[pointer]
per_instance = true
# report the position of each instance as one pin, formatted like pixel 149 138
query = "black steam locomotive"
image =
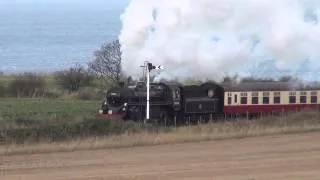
pixel 170 103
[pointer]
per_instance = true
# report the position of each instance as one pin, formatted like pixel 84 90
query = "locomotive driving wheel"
pixel 163 119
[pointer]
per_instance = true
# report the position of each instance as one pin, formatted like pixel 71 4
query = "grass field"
pixel 44 125
pixel 5 80
pixel 83 134
pixel 27 107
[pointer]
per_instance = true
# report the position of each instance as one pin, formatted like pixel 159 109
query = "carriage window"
pixel 303 97
pixel 314 98
pixel 276 97
pixel 266 94
pixel 244 94
pixel 265 97
pixel 277 94
pixel 229 100
pixel 229 97
pixel 292 97
pixel 276 100
pixel 244 98
pixel 255 98
pixel 292 93
pixel 303 93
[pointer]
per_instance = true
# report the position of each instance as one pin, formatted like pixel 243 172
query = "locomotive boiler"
pixel 170 103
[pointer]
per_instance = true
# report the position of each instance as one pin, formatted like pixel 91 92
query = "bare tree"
pixel 107 61
pixel 73 78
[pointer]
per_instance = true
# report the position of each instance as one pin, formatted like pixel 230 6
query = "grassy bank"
pixel 96 134
pixel 13 108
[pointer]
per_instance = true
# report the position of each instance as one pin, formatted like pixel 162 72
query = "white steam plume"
pixel 208 38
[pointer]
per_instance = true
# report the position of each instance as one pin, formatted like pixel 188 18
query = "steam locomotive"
pixel 170 103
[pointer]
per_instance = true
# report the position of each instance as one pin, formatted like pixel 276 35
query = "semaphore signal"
pixel 150 67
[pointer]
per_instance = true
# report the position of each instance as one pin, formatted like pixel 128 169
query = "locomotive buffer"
pixel 150 67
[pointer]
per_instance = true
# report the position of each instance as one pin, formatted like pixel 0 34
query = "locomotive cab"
pixel 176 98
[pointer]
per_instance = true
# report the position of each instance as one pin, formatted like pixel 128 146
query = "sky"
pixel 47 35
pixel 199 38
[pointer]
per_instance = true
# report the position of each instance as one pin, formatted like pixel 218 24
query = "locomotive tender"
pixel 170 103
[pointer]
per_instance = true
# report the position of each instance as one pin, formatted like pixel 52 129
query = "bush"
pixel 73 79
pixel 51 94
pixel 27 85
pixel 2 90
pixel 89 93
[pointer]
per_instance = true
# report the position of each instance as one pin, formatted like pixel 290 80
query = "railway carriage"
pixel 269 98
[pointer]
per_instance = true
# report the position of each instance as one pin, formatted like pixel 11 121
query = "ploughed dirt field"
pixel 274 157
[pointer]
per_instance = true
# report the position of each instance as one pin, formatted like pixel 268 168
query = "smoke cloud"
pixel 208 38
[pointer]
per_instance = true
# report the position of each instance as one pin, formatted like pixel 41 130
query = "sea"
pixel 50 35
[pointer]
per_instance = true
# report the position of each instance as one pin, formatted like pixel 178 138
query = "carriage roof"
pixel 270 86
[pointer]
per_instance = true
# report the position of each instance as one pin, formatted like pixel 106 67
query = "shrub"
pixel 26 85
pixel 51 94
pixel 89 93
pixel 2 90
pixel 73 79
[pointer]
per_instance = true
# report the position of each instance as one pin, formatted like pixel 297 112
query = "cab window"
pixel 176 94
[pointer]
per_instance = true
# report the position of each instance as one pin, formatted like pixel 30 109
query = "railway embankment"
pixel 23 135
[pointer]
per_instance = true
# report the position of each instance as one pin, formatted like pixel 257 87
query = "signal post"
pixel 150 67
